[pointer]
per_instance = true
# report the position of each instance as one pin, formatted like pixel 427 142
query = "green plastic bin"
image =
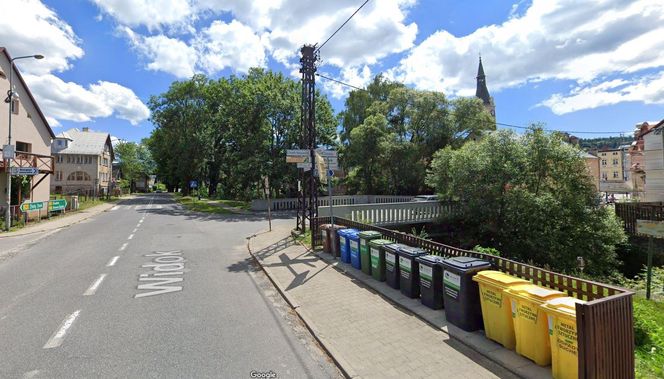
pixel 377 253
pixel 365 255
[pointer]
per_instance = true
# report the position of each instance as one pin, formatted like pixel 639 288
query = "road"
pixel 149 290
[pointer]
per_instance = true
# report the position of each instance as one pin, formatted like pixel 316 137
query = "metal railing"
pixel 604 323
pixel 411 212
pixel 323 201
pixel 630 212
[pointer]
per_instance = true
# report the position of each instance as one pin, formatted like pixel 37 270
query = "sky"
pixel 593 68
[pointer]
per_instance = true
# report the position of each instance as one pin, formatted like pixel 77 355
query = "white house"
pixel 654 163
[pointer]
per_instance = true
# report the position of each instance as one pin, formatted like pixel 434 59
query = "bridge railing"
pixel 605 338
pixel 291 202
pixel 391 213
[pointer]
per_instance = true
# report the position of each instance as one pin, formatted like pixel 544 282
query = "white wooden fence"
pixel 391 213
pixel 291 203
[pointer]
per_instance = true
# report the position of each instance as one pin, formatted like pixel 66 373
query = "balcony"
pixel 44 163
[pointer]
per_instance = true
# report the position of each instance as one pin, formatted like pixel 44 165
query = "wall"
pixel 654 167
pixel 592 165
pixel 611 164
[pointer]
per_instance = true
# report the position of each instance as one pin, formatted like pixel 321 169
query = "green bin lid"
pixel 379 242
pixel 370 234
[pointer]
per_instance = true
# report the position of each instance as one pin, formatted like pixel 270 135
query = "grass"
pixel 236 204
pixel 203 205
pixel 649 338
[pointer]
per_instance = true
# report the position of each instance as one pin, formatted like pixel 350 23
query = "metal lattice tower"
pixel 308 196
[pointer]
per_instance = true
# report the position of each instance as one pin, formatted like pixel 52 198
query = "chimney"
pixel 86 129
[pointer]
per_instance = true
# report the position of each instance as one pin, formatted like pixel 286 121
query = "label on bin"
pixel 426 275
pixel 566 336
pixel 363 242
pixel 452 284
pixel 390 261
pixel 491 296
pixel 375 257
pixel 526 312
pixel 342 241
pixel 354 247
pixel 405 264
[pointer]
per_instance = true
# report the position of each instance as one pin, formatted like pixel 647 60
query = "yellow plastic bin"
pixel 530 322
pixel 496 310
pixel 561 317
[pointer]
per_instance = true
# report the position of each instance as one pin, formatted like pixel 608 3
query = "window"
pixel 58 176
pixel 603 162
pixel 615 161
pixel 24 147
pixel 615 153
pixel 15 106
pixel 615 174
pixel 79 176
pixel 604 176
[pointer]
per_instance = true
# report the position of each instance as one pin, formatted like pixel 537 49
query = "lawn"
pixel 236 204
pixel 203 205
pixel 649 338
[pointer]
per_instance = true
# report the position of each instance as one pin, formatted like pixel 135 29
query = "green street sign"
pixel 57 205
pixel 27 206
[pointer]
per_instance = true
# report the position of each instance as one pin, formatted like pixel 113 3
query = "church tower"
pixel 482 92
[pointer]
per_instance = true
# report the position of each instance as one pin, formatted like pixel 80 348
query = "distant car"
pixel 158 191
pixel 425 198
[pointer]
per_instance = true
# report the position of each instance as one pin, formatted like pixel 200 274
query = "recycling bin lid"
pixel 344 232
pixel 412 251
pixel 393 247
pixel 532 292
pixel 430 260
pixel 353 234
pixel 562 305
pixel 380 242
pixel 466 263
pixel 370 234
pixel 498 278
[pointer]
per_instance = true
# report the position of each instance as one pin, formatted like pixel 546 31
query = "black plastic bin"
pixel 431 280
pixel 409 270
pixel 392 264
pixel 461 294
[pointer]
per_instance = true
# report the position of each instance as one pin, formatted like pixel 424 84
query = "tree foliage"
pixel 135 161
pixel 233 132
pixel 531 198
pixel 390 133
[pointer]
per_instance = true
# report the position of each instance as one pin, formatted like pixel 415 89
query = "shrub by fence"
pixel 604 323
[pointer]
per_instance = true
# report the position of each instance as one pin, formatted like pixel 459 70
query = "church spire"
pixel 482 92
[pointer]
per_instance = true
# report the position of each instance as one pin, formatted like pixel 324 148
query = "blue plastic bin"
pixel 344 245
pixel 354 244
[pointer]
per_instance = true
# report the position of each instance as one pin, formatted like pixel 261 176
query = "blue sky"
pixel 591 68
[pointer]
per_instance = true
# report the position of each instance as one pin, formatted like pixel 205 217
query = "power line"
pixel 342 25
pixel 496 123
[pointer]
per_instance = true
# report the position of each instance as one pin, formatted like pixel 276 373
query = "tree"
pixel 531 198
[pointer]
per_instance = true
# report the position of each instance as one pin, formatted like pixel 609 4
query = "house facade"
pixel 31 136
pixel 592 165
pixel 653 157
pixel 636 153
pixel 83 162
pixel 611 165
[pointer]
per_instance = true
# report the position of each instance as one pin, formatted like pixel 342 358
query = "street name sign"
pixel 57 205
pixel 24 171
pixel 8 152
pixel 298 153
pixel 27 206
pixel 650 228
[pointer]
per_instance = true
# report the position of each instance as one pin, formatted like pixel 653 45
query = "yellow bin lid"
pixel 565 306
pixel 497 278
pixel 532 292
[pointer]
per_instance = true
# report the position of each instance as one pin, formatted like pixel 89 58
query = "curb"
pixel 343 366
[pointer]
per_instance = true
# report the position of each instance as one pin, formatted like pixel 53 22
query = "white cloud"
pixel 358 77
pixel 62 100
pixel 152 13
pixel 164 53
pixel 229 45
pixel 552 39
pixel 28 27
pixel 648 89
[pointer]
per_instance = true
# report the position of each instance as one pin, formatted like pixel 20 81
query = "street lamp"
pixel 10 95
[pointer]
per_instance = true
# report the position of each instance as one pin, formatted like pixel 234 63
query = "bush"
pixel 649 338
pixel 486 250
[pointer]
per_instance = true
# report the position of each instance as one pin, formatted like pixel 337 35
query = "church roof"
pixel 482 92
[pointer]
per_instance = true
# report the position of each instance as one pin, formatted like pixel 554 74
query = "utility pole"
pixel 308 196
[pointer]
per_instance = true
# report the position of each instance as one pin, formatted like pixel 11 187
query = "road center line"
pixel 93 288
pixel 59 336
pixel 135 229
pixel 130 236
pixel 112 261
pixel 124 246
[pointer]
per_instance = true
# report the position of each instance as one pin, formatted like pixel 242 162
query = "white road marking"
pixel 112 261
pixel 93 288
pixel 135 229
pixel 59 336
pixel 124 246
pixel 115 208
pixel 130 236
pixel 140 221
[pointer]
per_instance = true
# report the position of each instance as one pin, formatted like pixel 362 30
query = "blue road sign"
pixel 193 184
pixel 330 173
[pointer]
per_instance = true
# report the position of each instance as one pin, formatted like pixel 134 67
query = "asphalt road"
pixel 147 290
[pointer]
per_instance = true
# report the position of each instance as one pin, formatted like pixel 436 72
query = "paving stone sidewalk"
pixel 366 334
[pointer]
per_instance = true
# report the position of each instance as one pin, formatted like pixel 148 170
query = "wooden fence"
pixel 630 212
pixel 605 322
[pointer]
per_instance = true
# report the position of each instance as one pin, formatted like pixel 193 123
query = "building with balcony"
pixel 83 162
pixel 31 136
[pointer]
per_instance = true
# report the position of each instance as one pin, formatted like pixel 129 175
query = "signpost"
pixel 24 171
pixel 57 205
pixel 651 229
pixel 28 206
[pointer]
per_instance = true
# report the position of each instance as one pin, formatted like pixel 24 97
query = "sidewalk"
pixel 367 334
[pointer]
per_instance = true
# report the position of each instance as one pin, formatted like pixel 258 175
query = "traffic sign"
pixel 57 205
pixel 298 153
pixel 330 173
pixel 27 206
pixel 327 153
pixel 24 171
pixel 296 159
pixel 193 184
pixel 305 165
pixel 8 152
